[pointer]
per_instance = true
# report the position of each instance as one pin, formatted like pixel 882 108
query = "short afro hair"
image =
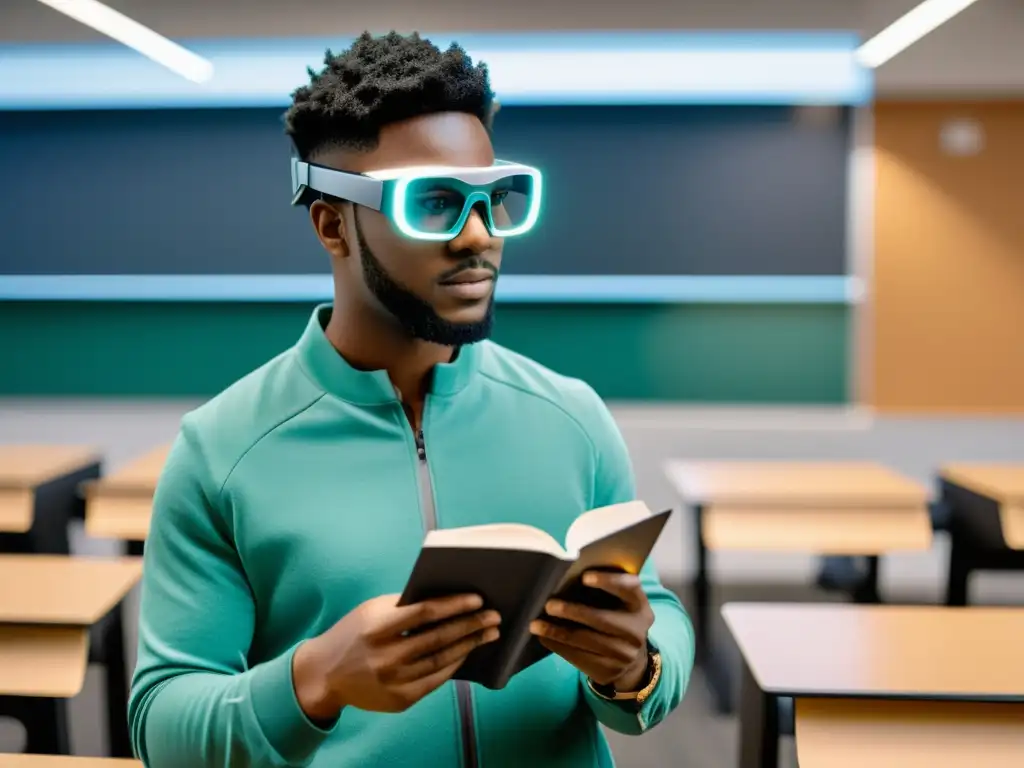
pixel 383 80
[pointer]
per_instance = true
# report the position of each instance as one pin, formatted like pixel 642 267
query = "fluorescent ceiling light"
pixel 908 29
pixel 115 24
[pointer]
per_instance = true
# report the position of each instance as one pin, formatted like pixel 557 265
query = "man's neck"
pixel 370 344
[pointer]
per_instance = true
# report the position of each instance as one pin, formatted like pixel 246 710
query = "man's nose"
pixel 474 236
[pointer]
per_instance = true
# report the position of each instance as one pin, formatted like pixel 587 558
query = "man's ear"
pixel 331 227
pixel 495 109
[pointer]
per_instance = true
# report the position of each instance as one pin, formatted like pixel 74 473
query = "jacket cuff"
pixel 285 726
pixel 624 716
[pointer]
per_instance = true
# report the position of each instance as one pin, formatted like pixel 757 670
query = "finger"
pixel 625 586
pixel 455 653
pixel 417 690
pixel 596 667
pixel 410 617
pixel 614 648
pixel 443 635
pixel 615 623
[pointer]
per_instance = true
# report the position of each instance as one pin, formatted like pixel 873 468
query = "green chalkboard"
pixel 702 353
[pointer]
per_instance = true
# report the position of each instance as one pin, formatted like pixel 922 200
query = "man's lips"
pixel 469 276
pixel 473 285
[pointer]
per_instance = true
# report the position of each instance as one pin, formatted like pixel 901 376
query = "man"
pixel 294 504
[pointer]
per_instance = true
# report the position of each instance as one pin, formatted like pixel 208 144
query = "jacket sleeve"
pixel 194 699
pixel 672 633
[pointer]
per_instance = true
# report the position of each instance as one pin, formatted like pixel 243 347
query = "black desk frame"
pixel 977 542
pixel 759 724
pixel 759 720
pixel 717 671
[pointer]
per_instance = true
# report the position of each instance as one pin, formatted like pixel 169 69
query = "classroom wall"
pixel 695 352
pixel 947 309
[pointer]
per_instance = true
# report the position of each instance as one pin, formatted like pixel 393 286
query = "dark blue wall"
pixel 687 190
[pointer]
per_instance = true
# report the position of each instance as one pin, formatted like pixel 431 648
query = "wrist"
pixel 312 691
pixel 634 678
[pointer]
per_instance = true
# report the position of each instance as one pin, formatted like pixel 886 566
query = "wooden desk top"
pixel 822 530
pixel 846 508
pixel 119 505
pixel 138 477
pixel 847 733
pixel 27 466
pixel 55 589
pixel 54 761
pixel 793 484
pixel 126 518
pixel 882 651
pixel 42 661
pixel 1002 482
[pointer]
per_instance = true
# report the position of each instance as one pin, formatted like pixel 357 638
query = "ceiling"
pixel 978 52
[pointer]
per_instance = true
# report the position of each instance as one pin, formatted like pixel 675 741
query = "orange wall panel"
pixel 947 307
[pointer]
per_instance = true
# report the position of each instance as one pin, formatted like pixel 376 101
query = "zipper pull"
pixel 421 446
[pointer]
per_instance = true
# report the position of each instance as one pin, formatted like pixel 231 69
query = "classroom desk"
pixel 842 733
pixel 986 503
pixel 847 508
pixel 39 494
pixel 58 761
pixel 119 505
pixel 44 639
pixel 881 681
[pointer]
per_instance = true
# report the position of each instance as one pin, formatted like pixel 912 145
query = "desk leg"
pixel 56 504
pixel 759 725
pixel 720 680
pixel 716 671
pixel 115 667
pixel 45 722
pixel 959 567
pixel 866 592
pixel 118 740
pixel 701 588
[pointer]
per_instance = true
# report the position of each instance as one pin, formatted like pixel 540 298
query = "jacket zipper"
pixel 464 694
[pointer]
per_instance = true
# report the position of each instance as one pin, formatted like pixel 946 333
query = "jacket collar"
pixel 334 374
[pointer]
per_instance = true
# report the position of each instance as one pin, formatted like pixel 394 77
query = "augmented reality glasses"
pixel 433 203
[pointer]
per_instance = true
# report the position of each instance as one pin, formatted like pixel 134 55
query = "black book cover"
pixel 513 582
pixel 517 583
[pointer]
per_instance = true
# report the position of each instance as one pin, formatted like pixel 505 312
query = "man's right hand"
pixel 380 658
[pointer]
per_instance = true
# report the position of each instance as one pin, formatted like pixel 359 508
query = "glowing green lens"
pixel 433 205
pixel 438 207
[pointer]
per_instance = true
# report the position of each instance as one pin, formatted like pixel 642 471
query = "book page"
pixel 603 521
pixel 496 536
pixel 624 549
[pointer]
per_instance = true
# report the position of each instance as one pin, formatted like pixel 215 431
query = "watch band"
pixel 640 696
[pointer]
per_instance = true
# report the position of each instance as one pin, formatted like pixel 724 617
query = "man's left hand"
pixel 609 646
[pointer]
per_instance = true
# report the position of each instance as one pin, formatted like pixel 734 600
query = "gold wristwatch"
pixel 639 697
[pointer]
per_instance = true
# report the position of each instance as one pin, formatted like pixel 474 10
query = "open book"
pixel 517 568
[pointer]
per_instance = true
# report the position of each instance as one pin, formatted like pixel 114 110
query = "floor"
pixel 692 737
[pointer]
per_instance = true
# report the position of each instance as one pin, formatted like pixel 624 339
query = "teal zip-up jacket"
pixel 300 492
